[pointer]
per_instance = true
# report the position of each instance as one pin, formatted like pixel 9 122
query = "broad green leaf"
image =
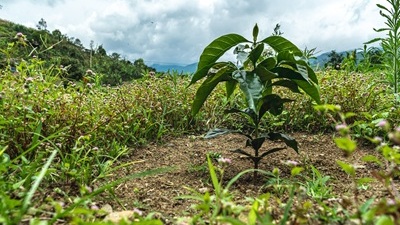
pixel 255 143
pixel 264 74
pixel 270 151
pixel 240 151
pixel 285 56
pixel 346 144
pixel 289 141
pixel 230 86
pixel 303 67
pixel 256 53
pixel 299 66
pixel 251 86
pixel 288 84
pixel 287 73
pixel 255 33
pixel 272 103
pixel 268 63
pixel 349 169
pixel 216 132
pixel 247 112
pixel 311 89
pixel 213 52
pixel 279 44
pixel 207 87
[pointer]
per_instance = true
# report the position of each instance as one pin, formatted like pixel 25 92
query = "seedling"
pixel 261 66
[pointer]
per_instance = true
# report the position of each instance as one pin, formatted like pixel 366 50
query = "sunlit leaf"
pixel 346 144
pixel 365 180
pixel 296 171
pixel 213 52
pixel 384 220
pixel 371 158
pixel 349 169
pixel 207 87
pixel 279 44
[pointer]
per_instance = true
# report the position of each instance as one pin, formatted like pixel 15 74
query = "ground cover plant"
pixel 72 149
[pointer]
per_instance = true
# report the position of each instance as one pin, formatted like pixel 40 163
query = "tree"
pixel 115 56
pixel 42 25
pixel 57 34
pixel 101 51
pixel 78 43
pixel 335 59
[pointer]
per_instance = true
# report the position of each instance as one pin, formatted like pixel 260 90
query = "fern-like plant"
pixel 391 42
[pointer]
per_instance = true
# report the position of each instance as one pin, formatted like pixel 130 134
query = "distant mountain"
pixel 191 68
pixel 320 60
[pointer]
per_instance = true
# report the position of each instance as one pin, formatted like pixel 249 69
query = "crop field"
pixel 268 139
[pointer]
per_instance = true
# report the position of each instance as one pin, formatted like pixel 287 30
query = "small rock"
pixel 115 217
pixel 203 190
pixel 170 145
pixel 107 208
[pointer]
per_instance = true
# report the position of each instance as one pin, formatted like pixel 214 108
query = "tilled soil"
pixel 188 157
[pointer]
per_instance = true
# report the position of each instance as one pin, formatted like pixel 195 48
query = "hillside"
pixel 64 52
pixel 191 68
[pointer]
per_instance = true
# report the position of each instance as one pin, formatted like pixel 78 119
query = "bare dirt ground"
pixel 188 156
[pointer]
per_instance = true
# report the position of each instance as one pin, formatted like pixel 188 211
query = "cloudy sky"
pixel 176 31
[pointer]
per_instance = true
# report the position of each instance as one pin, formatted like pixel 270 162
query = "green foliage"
pixel 387 168
pixel 317 185
pixel 256 74
pixel 220 206
pixel 63 132
pixel 371 59
pixel 371 100
pixel 390 43
pixel 65 52
pixel 335 60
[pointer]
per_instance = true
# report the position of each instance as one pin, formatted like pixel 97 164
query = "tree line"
pixel 18 42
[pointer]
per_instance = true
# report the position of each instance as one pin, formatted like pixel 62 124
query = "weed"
pixel 390 43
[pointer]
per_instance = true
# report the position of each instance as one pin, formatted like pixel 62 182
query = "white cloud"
pixel 176 31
